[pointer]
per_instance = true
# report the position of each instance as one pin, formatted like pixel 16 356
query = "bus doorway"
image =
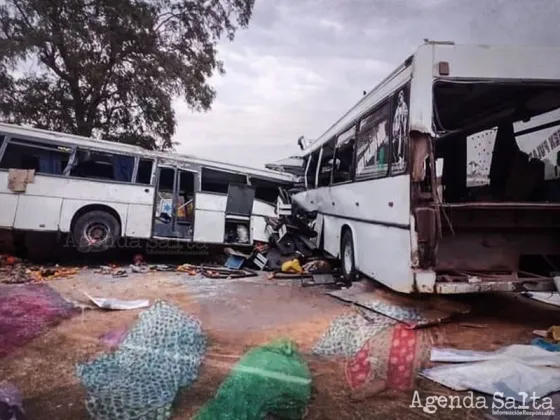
pixel 174 204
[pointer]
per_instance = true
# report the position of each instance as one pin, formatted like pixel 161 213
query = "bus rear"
pixel 485 169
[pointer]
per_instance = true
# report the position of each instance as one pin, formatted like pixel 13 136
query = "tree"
pixel 111 68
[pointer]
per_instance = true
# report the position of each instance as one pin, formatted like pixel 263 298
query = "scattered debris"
pixel 273 379
pixel 119 273
pixel 218 272
pixel 236 259
pixel 104 269
pixel 163 267
pixel 548 339
pixel 286 276
pixel 139 268
pixel 540 333
pixel 16 274
pixel 292 266
pixel 471 325
pixel 162 353
pixel 190 269
pixel 412 312
pixel 318 267
pixel 119 305
pixel 318 280
pixel 512 370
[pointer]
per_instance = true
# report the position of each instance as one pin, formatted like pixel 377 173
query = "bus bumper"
pixel 447 284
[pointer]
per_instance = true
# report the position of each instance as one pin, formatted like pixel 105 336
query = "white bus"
pixel 98 192
pixel 389 180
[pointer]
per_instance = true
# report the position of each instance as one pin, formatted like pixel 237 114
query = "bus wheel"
pixel 347 257
pixel 96 231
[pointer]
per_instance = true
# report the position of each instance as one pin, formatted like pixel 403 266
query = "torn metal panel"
pixel 420 152
pixel 427 235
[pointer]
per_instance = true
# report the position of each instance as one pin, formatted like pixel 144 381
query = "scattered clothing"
pixel 269 380
pixel 292 266
pixel 546 345
pixel 394 356
pixel 161 353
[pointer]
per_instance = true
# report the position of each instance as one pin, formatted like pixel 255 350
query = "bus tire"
pixel 95 231
pixel 347 257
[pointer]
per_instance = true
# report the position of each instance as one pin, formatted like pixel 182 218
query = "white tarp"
pixel 119 305
pixel 545 297
pixel 511 371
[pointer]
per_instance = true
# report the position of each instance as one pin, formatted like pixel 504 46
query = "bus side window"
pixel 144 175
pixel 312 169
pixel 98 165
pixel 218 181
pixel 325 167
pixel 43 158
pixel 344 156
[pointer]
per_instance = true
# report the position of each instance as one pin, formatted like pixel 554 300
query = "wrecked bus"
pixel 397 186
pixel 97 192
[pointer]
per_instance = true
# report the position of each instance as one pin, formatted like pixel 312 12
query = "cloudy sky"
pixel 302 63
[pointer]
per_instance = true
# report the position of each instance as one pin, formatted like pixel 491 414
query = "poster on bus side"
pixel 382 140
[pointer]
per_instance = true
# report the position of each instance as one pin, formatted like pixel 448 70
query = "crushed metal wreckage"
pixel 292 250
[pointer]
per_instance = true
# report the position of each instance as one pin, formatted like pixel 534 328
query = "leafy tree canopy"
pixel 111 68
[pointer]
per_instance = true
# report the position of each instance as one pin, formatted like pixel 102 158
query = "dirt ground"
pixel 239 314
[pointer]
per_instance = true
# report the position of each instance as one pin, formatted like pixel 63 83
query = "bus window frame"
pixel 337 147
pixel 26 141
pixel 387 101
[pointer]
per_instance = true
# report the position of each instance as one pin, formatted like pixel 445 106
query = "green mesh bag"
pixel 269 380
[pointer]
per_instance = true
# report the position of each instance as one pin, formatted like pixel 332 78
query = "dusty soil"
pixel 237 315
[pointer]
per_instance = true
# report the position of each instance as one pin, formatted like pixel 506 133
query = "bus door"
pixel 174 203
pixel 239 208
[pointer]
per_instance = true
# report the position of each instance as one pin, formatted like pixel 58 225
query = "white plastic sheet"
pixel 510 371
pixel 119 305
pixel 545 297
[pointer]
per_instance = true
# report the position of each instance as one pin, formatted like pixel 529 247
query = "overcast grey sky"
pixel 302 63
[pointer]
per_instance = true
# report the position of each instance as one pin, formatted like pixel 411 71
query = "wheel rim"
pixel 348 258
pixel 96 233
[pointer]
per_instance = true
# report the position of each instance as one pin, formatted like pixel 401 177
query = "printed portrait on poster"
pixel 399 131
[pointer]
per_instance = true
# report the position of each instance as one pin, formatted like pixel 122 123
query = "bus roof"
pixel 110 146
pixel 484 62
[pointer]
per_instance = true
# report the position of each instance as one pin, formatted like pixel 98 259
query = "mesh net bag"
pixel 269 380
pixel 161 353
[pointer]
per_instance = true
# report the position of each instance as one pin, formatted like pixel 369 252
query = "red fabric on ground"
pixel 28 310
